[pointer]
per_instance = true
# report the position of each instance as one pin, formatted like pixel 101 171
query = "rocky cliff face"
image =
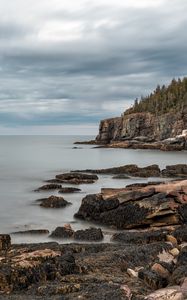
pixel 143 126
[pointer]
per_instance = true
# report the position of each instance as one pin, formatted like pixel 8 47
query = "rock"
pixel 132 273
pixel 179 170
pixel 180 234
pixel 53 202
pixel 152 279
pixel 171 239
pixel 169 293
pixel 76 178
pixel 5 242
pixel 121 176
pixel 48 187
pixel 63 232
pixel 132 170
pixel 159 269
pixel 29 268
pixel 174 252
pixel 91 234
pixel 32 231
pixel 180 271
pixel 140 237
pixel 69 190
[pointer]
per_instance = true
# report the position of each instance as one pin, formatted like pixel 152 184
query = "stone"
pixel 172 239
pixel 152 279
pixel 32 231
pixel 64 232
pixel 159 269
pixel 140 237
pixel 91 234
pixel 174 252
pixel 48 187
pixel 53 202
pixel 132 273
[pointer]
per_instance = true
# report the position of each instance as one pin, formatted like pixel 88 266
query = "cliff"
pixel 159 118
pixel 144 126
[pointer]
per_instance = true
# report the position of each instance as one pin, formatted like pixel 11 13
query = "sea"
pixel 27 161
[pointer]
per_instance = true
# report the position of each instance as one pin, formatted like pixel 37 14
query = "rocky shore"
pixel 145 259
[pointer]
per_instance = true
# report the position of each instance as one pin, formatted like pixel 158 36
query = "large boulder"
pixel 91 234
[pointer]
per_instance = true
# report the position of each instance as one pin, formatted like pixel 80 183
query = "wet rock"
pixel 69 190
pixel 5 242
pixel 32 231
pixel 93 205
pixel 63 232
pixel 48 187
pixel 174 252
pixel 121 176
pixel 152 279
pixel 53 202
pixel 132 170
pixel 159 269
pixel 140 237
pixel 179 170
pixel 76 178
pixel 91 234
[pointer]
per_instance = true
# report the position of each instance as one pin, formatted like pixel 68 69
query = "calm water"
pixel 26 161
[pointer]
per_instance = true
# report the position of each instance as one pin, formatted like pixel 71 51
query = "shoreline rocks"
pixel 151 206
pixel 53 202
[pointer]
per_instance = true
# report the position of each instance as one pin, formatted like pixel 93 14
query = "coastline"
pixel 146 255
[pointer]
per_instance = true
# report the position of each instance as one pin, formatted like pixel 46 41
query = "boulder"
pixel 91 234
pixel 53 202
pixel 63 232
pixel 152 279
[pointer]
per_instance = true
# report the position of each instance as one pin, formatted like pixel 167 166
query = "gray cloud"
pixel 77 63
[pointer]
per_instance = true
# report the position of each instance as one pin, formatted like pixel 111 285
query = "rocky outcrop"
pixel 72 178
pixel 145 130
pixel 128 208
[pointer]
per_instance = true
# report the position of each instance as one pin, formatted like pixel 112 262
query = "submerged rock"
pixel 69 190
pixel 53 202
pixel 32 231
pixel 48 187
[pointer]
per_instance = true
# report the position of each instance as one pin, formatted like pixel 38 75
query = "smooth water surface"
pixel 26 161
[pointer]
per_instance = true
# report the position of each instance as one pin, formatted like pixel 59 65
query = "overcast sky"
pixel 66 64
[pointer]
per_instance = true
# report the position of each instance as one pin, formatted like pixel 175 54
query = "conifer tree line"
pixel 172 98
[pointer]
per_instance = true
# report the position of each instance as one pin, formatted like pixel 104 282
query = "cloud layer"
pixel 69 63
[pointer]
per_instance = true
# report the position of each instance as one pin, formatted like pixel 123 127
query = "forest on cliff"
pixel 165 99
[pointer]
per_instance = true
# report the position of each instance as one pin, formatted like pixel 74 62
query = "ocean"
pixel 26 161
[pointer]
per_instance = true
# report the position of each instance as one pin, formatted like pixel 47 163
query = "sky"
pixel 67 64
